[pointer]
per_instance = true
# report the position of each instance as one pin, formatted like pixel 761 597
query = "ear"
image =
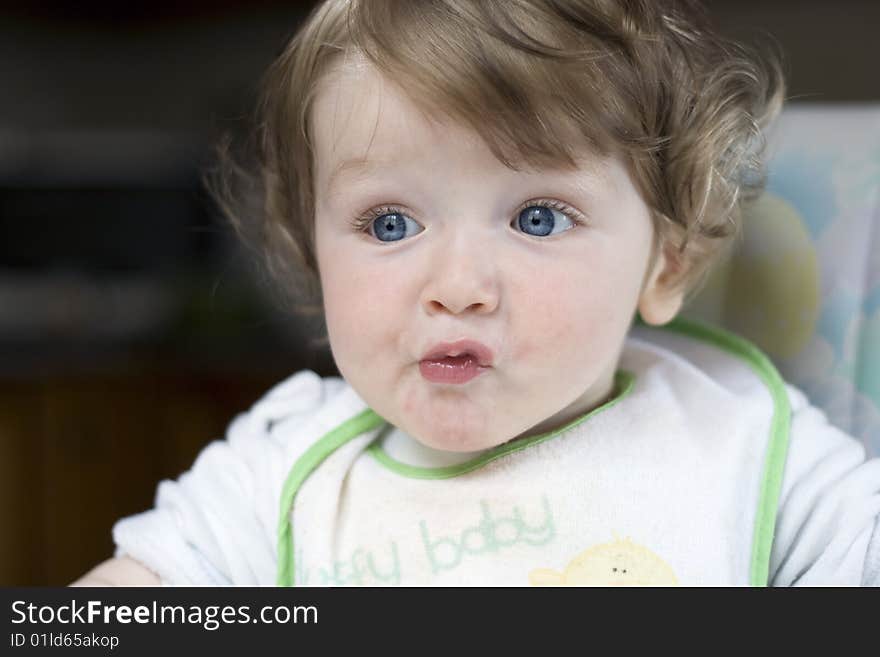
pixel 662 292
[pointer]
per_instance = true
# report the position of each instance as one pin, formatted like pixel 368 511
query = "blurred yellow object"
pixel 767 288
pixel 773 290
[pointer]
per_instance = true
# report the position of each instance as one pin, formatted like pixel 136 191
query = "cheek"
pixel 572 315
pixel 546 315
pixel 359 306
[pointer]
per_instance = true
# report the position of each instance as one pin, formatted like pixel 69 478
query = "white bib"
pixel 674 481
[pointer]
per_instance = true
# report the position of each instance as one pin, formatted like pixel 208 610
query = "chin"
pixel 455 439
pixel 450 423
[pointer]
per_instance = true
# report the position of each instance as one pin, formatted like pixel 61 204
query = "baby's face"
pixel 465 248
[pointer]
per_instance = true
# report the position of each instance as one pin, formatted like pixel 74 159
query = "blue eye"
pixel 540 220
pixel 391 227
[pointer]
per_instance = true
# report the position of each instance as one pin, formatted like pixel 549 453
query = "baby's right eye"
pixel 388 226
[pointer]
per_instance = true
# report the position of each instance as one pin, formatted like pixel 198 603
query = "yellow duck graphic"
pixel 618 563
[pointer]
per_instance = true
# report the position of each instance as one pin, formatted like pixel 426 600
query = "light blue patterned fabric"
pixel 804 282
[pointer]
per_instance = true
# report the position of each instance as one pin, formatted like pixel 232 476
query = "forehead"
pixel 363 123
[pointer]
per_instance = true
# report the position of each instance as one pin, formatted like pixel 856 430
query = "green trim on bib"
pixel 305 464
pixel 623 385
pixel 777 446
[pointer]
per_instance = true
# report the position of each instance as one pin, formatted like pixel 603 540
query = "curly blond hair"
pixel 650 80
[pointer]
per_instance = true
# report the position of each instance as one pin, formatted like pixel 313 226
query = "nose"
pixel 462 277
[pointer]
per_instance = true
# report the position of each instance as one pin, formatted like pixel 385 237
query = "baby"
pixel 488 194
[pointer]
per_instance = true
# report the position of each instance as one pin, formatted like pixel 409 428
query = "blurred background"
pixel 132 325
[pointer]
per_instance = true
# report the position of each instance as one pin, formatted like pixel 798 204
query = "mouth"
pixel 456 362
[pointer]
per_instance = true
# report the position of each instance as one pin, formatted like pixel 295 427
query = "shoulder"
pixel 712 371
pixel 692 353
pixel 216 522
pixel 818 497
pixel 695 351
pixel 705 364
pixel 261 442
pixel 294 409
pixel 300 394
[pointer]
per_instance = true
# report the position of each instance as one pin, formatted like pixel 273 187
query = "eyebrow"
pixel 365 166
pixel 361 165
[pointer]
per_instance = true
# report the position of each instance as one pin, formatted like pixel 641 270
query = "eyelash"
pixel 363 221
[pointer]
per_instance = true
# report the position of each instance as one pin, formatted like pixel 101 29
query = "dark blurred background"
pixel 132 325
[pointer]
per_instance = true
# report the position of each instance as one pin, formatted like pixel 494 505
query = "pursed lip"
pixel 480 351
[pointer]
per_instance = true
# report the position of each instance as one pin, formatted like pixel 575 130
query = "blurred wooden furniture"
pixel 79 451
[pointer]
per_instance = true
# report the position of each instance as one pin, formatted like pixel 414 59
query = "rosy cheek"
pixel 546 324
pixel 363 310
pixel 374 299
